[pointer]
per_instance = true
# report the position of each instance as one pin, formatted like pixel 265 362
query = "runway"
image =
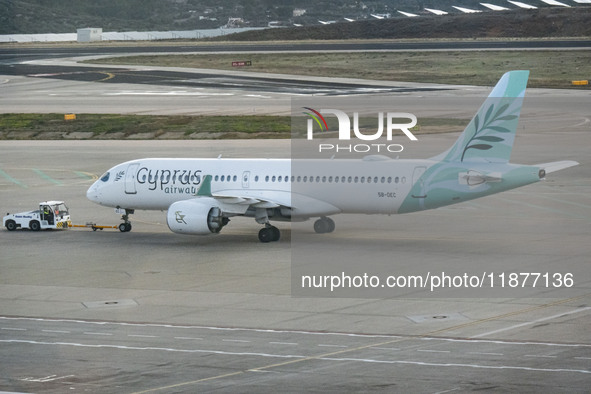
pixel 202 80
pixel 154 311
pixel 9 53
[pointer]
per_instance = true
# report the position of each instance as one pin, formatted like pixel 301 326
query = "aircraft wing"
pixel 260 199
pixel 557 165
pixel 238 201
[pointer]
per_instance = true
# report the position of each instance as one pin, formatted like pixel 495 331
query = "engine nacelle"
pixel 200 216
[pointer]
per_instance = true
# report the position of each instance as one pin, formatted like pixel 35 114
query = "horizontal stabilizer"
pixel 557 165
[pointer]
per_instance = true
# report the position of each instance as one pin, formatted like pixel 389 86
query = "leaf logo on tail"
pixel 491 125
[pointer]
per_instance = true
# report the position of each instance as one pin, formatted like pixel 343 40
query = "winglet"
pixel 205 189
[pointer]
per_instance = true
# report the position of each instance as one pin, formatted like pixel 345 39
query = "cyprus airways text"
pixel 170 181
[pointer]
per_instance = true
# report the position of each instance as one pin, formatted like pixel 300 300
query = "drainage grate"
pixel 440 317
pixel 110 303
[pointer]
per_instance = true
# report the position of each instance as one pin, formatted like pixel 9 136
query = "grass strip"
pixel 108 126
pixel 549 69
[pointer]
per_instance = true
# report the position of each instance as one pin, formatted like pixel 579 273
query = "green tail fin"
pixel 490 134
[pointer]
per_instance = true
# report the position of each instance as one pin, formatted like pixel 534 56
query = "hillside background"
pixel 65 16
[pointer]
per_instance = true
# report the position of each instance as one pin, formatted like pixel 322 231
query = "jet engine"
pixel 200 216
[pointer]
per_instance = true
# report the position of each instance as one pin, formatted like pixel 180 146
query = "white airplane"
pixel 201 195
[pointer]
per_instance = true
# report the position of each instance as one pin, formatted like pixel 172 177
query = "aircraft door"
pixel 245 179
pixel 417 178
pixel 130 178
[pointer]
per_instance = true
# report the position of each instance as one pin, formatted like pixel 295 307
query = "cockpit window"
pixel 105 177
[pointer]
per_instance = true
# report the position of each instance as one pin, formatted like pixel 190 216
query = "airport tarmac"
pixel 154 311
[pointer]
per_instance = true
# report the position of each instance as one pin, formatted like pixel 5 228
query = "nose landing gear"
pixel 126 225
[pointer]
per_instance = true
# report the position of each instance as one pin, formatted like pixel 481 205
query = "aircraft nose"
pixel 93 193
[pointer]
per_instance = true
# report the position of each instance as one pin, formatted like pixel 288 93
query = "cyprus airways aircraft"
pixel 201 195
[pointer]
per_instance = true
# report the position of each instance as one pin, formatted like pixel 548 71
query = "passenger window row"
pixel 282 178
pixel 314 179
pixel 225 178
pixel 331 179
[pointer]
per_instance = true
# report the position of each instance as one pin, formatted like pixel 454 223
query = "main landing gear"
pixel 126 225
pixel 324 225
pixel 269 234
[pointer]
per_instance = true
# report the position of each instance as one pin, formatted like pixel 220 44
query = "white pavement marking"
pixel 98 333
pixel 531 322
pixel 324 345
pixel 433 351
pixel 271 331
pixel 123 347
pixel 262 371
pixel 152 93
pixel 501 342
pixel 583 371
pixel 49 378
pixel 487 353
pixel 447 391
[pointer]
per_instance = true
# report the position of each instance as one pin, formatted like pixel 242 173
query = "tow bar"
pixel 93 226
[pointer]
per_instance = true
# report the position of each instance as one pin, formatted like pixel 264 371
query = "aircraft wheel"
pixel 265 235
pixel 125 227
pixel 269 234
pixel 331 225
pixel 324 225
pixel 275 233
